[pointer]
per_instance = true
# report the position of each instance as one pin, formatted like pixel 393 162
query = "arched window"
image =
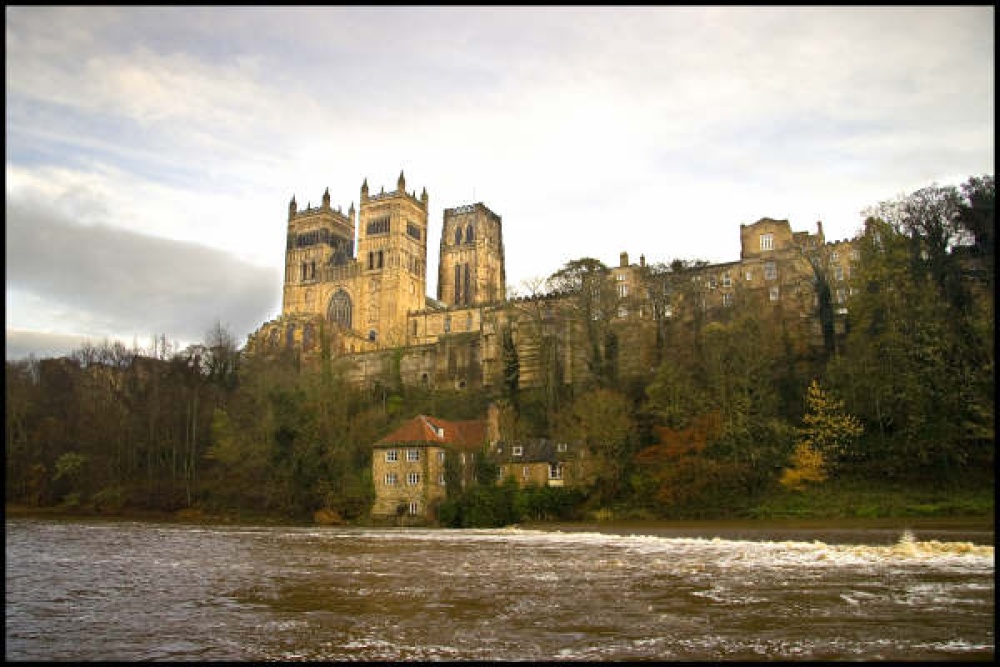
pixel 339 310
pixel 307 337
pixel 380 257
pixel 290 336
pixel 470 236
pixel 458 235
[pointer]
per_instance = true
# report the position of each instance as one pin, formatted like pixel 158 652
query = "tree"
pixel 827 428
pixel 592 301
pixel 807 465
pixel 602 419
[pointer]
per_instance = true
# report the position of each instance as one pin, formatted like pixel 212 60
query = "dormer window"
pixel 517 450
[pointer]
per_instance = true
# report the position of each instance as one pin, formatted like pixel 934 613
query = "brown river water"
pixel 91 590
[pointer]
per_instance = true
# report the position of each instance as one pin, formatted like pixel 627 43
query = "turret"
pixel 292 208
pixel 423 196
pixel 364 191
pixel 326 199
pixel 401 184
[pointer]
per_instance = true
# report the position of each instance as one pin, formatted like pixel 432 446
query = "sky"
pixel 151 153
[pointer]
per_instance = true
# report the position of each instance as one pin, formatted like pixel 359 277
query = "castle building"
pixel 355 284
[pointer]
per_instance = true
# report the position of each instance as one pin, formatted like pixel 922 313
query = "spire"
pixel 423 195
pixel 401 183
pixel 326 198
pixel 292 208
pixel 364 191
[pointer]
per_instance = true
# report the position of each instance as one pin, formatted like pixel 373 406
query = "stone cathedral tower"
pixel 367 295
pixel 392 258
pixel 471 269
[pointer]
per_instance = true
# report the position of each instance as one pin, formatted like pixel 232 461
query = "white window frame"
pixel 526 472
pixel 727 299
pixel 561 447
pixel 517 450
pixel 767 241
pixel 727 281
pixel 413 479
pixel 391 455
pixel 390 479
pixel 414 508
pixel 555 471
pixel 775 293
pixel 412 454
pixel 770 270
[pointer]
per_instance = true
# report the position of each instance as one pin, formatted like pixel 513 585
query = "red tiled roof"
pixel 423 428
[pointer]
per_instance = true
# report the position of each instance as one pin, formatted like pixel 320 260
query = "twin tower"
pixel 365 272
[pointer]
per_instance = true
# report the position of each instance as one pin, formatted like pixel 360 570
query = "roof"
pixel 432 430
pixel 538 450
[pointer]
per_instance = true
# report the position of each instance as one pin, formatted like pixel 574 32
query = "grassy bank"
pixel 868 500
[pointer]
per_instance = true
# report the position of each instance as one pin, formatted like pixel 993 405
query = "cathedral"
pixel 355 291
pixel 360 278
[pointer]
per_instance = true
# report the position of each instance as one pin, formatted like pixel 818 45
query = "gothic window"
pixel 838 273
pixel 339 310
pixel 458 235
pixel 458 282
pixel 414 328
pixel 467 292
pixel 290 336
pixel 275 335
pixel 470 235
pixel 371 260
pixel 312 270
pixel 307 337
pixel 378 226
pixel 380 258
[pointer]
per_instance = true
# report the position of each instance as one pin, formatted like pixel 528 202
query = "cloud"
pixel 132 284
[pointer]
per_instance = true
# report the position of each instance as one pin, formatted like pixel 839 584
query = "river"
pixel 139 591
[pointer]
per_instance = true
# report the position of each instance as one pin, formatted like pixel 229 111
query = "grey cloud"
pixel 141 285
pixel 21 344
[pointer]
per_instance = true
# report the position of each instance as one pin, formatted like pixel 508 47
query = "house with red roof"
pixel 409 465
